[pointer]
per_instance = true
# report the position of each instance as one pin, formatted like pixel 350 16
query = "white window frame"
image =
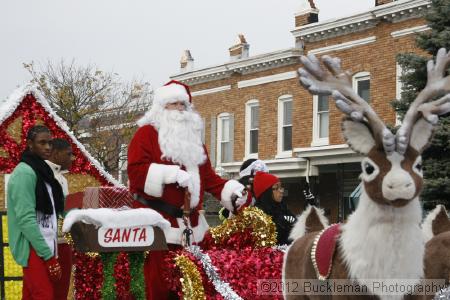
pixel 220 117
pixel 360 76
pixel 281 101
pixel 318 141
pixel 248 106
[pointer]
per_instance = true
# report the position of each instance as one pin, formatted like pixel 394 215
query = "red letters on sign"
pixel 143 235
pixel 108 235
pixel 125 235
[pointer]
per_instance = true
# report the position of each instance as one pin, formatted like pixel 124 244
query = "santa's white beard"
pixel 179 136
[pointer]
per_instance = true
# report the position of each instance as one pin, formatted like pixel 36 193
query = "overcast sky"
pixel 144 39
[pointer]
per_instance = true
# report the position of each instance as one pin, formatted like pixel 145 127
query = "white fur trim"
pixel 113 218
pixel 300 229
pixel 170 93
pixel 157 176
pixel 174 235
pixel 195 193
pixel 358 136
pixel 421 134
pixel 427 224
pixel 381 241
pixel 229 188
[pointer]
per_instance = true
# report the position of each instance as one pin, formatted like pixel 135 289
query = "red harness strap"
pixel 323 250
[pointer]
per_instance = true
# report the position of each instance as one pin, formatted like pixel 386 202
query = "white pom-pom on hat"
pixel 173 91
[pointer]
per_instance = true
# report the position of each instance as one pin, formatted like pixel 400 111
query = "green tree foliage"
pixel 98 106
pixel 437 157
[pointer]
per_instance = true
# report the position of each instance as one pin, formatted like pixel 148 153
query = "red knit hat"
pixel 263 181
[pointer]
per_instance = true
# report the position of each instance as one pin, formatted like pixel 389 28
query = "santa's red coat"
pixel 146 172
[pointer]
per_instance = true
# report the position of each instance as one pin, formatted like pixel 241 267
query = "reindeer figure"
pixel 382 239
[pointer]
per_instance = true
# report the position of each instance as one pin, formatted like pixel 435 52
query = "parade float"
pixel 23 109
pixel 110 252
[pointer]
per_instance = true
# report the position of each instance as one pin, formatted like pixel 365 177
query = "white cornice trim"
pixel 408 31
pixel 283 168
pixel 329 150
pixel 343 46
pixel 212 90
pixel 243 66
pixel 392 12
pixel 267 79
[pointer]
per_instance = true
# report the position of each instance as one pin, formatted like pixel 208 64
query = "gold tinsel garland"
pixel 263 228
pixel 191 281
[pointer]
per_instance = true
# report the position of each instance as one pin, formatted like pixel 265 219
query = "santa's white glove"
pixel 184 179
pixel 240 196
pixel 233 191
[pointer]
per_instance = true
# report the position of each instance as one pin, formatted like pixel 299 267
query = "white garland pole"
pixel 223 288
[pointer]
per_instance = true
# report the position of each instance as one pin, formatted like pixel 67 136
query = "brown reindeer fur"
pixel 437 257
pixel 313 222
pixel 441 223
pixel 374 189
pixel 298 265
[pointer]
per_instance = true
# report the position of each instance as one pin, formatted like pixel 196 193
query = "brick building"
pixel 253 106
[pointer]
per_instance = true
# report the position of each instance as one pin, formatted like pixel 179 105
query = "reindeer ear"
pixel 421 135
pixel 358 136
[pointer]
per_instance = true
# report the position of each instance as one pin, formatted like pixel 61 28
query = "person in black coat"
pixel 269 198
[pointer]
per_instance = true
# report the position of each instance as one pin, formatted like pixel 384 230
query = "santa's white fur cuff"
pixel 157 176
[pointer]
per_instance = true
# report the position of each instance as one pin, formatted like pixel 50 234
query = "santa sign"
pixel 112 230
pixel 138 236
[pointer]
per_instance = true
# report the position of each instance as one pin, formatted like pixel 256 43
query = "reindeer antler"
pixel 337 82
pixel 437 85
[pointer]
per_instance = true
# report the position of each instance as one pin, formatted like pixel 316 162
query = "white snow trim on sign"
pixel 113 218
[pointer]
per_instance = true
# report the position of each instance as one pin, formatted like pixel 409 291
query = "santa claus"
pixel 165 157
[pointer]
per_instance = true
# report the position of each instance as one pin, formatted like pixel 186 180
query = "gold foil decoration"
pixel 79 182
pixel 39 122
pixel 191 282
pixel 263 228
pixel 3 153
pixel 14 130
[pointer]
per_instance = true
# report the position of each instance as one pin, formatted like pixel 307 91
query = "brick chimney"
pixel 240 49
pixel 307 13
pixel 381 2
pixel 186 62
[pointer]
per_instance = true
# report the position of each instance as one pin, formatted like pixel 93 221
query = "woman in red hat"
pixel 269 195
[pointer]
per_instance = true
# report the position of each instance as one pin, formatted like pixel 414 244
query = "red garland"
pixel 240 268
pixel 172 275
pixel 122 277
pixel 30 110
pixel 238 240
pixel 88 277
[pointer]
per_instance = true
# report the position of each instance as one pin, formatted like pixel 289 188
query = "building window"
pixel 320 120
pixel 285 124
pixel 224 138
pixel 361 84
pixel 252 128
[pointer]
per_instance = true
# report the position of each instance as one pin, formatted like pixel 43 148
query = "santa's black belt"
pixel 161 205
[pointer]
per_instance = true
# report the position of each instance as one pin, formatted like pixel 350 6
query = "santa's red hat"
pixel 262 182
pixel 173 91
